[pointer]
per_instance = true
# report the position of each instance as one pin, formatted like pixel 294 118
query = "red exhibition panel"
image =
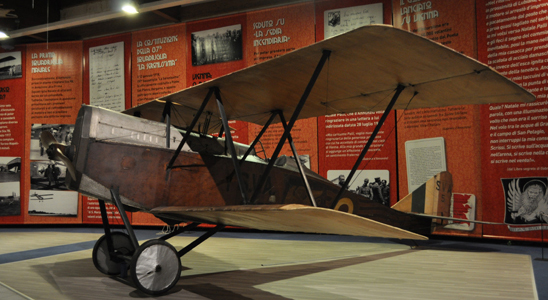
pixel 513 39
pixel 446 138
pixel 53 98
pixel 12 135
pixel 272 33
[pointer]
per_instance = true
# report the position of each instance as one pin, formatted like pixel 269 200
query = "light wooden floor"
pixel 269 266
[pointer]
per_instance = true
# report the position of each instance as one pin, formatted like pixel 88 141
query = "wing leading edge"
pixel 365 67
pixel 291 217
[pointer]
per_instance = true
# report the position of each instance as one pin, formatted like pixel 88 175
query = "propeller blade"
pixel 47 139
pixel 70 167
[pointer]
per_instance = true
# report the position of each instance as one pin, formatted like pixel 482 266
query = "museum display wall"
pixel 496 153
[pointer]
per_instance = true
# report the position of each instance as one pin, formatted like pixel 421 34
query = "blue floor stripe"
pixel 43 252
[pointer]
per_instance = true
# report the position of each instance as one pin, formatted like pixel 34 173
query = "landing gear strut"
pixel 154 266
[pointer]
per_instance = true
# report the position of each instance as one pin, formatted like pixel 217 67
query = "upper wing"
pixel 364 68
pixel 291 217
pixel 7 58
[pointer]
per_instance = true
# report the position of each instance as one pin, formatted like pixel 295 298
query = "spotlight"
pixel 130 8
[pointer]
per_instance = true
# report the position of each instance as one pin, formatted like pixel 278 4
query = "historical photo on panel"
pixel 526 200
pixel 217 45
pixel 53 203
pixel 10 186
pixel 61 132
pixel 372 184
pixel 10 65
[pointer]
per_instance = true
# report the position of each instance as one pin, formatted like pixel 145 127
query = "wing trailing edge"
pixel 291 218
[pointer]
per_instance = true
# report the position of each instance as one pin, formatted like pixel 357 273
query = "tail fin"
pixel 431 198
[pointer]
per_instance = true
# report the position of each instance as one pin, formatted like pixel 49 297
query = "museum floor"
pixel 56 263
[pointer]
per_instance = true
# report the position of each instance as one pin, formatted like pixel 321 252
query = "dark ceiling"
pixel 40 21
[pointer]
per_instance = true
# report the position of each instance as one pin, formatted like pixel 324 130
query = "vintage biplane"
pixel 159 157
pixel 6 68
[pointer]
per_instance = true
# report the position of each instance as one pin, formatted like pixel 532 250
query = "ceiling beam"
pixel 147 7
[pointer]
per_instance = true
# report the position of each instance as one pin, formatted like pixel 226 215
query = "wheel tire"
pixel 155 267
pixel 101 256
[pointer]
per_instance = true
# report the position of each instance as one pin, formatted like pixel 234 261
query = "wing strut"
pixel 298 108
pixel 298 161
pixel 166 116
pixel 399 89
pixel 258 137
pixel 188 131
pixel 230 145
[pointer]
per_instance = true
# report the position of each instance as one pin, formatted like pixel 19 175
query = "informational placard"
pixel 106 76
pixel 12 134
pixel 342 137
pixel 442 21
pixel 54 82
pixel 453 26
pixel 274 32
pixel 54 96
pixel 341 20
pixel 159 65
pixel 512 38
pixel 425 158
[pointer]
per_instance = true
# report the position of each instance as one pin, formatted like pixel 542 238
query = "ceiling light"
pixel 3 35
pixel 130 8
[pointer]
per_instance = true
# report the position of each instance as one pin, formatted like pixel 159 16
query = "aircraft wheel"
pixel 155 267
pixel 101 257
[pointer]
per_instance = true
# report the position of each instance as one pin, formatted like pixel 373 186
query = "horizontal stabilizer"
pixel 432 198
pixel 291 217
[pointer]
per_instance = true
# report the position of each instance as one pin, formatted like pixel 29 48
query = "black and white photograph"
pixel 217 45
pixel 10 186
pixel 10 65
pixel 48 175
pixel 53 203
pixel 61 132
pixel 372 184
pixel 526 200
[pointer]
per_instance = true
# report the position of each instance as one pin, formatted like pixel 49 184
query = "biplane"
pixel 6 68
pixel 159 157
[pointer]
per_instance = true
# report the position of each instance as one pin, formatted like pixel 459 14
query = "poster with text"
pixel 159 65
pixel 453 26
pixel 217 47
pixel 106 76
pixel 274 32
pixel 107 83
pixel 53 98
pixel 342 137
pixel 12 134
pixel 446 22
pixel 512 38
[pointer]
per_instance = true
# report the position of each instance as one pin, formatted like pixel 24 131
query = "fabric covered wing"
pixel 364 68
pixel 291 217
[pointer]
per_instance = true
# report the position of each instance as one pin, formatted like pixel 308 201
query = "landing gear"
pixel 102 259
pixel 155 267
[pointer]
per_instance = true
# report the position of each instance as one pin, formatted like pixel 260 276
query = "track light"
pixel 130 7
